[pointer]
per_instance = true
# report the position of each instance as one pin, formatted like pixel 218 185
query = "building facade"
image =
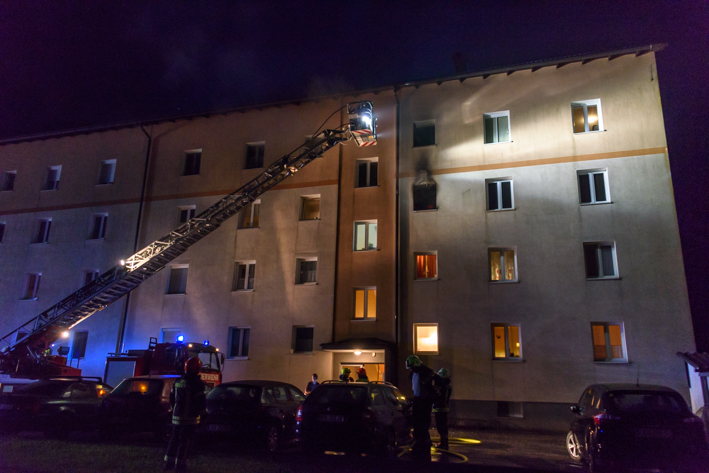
pixel 515 226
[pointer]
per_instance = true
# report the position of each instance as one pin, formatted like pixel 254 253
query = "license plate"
pixel 331 418
pixel 5 407
pixel 219 428
pixel 654 433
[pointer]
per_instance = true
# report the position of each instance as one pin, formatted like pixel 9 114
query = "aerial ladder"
pixel 22 350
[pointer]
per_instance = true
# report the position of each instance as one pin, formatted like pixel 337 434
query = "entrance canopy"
pixel 362 345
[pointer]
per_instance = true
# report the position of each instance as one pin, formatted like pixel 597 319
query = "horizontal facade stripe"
pixel 541 162
pixel 193 195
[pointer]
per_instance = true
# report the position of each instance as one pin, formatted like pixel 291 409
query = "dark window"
pixel 254 156
pixel 424 134
pixel 307 271
pixel 178 281
pixel 78 348
pixel 303 339
pixel 89 276
pixel 107 171
pixel 499 195
pixel 367 173
pixel 186 213
pixel 43 231
pixel 424 193
pixel 310 208
pixel 192 162
pixel 497 128
pixel 98 229
pixel 238 342
pixel 243 276
pixel 600 260
pixel 32 286
pixel 509 409
pixel 8 181
pixel 52 181
pixel 592 187
pixel 2 231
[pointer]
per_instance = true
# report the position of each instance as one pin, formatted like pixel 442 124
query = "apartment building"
pixel 516 226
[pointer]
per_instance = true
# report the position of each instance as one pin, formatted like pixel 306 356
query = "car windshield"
pixel 340 394
pixel 643 402
pixel 138 386
pixel 235 393
pixel 43 388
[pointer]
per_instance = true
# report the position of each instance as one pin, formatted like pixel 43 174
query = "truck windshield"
pixel 209 360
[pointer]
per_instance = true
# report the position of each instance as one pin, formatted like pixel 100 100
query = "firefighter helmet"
pixel 443 373
pixel 193 365
pixel 361 372
pixel 413 361
pixel 346 371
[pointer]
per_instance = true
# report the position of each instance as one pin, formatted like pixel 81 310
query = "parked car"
pixel 139 404
pixel 624 426
pixel 256 411
pixel 56 406
pixel 354 417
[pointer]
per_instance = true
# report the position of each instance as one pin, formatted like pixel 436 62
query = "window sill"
pixel 306 284
pixel 6 190
pixel 589 132
pixel 255 167
pixel 508 360
pixel 424 146
pixel 368 319
pixel 95 239
pixel 101 184
pixel 612 362
pixel 175 293
pixel 366 251
pixel 499 143
pixel 242 290
pixel 367 187
pixel 501 210
pixel 426 279
pixel 309 219
pixel 511 281
pixel 238 358
pixel 47 190
pixel 32 299
pixel 426 210
pixel 248 228
pixel 614 278
pixel 308 353
pixel 594 203
pixel 39 243
pixel 426 353
pixel 189 175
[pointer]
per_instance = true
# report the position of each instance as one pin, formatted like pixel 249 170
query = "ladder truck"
pixel 22 350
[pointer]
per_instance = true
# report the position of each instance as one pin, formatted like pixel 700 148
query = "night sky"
pixel 75 64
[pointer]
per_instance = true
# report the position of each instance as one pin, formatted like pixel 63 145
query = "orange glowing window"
pixel 426 266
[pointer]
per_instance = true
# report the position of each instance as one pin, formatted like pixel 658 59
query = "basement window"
pixel 509 409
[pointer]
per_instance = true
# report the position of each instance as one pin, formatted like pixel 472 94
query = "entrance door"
pixel 375 371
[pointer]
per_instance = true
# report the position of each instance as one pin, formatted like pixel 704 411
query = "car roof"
pixel 256 382
pixel 155 376
pixel 630 387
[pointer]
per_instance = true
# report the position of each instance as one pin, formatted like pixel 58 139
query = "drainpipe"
pixel 398 246
pixel 124 316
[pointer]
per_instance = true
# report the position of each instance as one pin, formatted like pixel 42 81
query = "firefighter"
pixel 189 401
pixel 362 375
pixel 440 406
pixel 345 375
pixel 422 379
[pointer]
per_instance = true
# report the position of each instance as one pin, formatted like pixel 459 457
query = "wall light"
pixel 357 352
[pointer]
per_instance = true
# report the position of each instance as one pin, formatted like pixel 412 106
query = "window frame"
pixel 495 115
pixel 417 350
pixel 367 225
pixel 4 187
pixel 592 186
pixel 242 334
pixel 112 173
pixel 84 280
pixel 295 339
pixel 425 253
pixel 42 236
pixel 191 211
pixel 502 250
pixel 256 204
pixel 368 177
pixel 258 146
pixel 32 295
pixel 298 262
pixel 507 356
pixel 101 232
pixel 303 200
pixel 499 181
pixel 599 260
pixel 249 265
pixel 191 169
pixel 422 125
pixel 174 267
pixel 584 104
pixel 52 185
pixel 609 347
pixel 365 303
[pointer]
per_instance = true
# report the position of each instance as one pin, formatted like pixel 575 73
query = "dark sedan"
pixel 256 411
pixel 355 417
pixel 625 426
pixel 56 406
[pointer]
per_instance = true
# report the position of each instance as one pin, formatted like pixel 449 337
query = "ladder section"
pixel 30 339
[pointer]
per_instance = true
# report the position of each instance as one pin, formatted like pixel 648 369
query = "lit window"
pixel 600 259
pixel 186 213
pixel 302 339
pixel 426 265
pixel 499 194
pixel 31 286
pixel 310 208
pixel 43 230
pixel 51 181
pixel 250 215
pixel 8 181
pixel 506 342
pixel 424 134
pixel 239 342
pixel 593 187
pixel 78 346
pixel 178 280
pixel 608 341
pixel 366 172
pixel 254 155
pixel 107 171
pixel 365 303
pixel 306 271
pixel 503 264
pixel 98 226
pixel 193 160
pixel 243 276
pixel 424 190
pixel 426 339
pixel 89 276
pixel 365 235
pixel 497 127
pixel 587 116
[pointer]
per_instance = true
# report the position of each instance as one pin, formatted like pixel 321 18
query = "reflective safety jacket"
pixel 188 400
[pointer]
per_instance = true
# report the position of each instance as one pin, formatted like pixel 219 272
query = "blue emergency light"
pixel 206 343
pixel 180 338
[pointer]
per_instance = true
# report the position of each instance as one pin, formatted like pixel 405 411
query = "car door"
pixel 284 407
pixel 400 412
pixel 382 408
pixel 580 424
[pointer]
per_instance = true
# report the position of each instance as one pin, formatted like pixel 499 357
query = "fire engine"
pixel 22 351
